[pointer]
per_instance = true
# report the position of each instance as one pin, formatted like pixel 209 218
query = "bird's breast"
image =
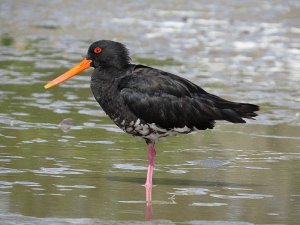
pixel 149 131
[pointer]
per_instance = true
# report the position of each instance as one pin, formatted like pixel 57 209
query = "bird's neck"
pixel 109 73
pixel 104 86
pixel 103 81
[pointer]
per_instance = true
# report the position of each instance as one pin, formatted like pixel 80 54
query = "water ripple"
pixel 59 171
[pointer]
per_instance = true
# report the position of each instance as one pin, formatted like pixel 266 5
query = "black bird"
pixel 151 103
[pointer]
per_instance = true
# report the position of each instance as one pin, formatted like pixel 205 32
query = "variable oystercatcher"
pixel 148 102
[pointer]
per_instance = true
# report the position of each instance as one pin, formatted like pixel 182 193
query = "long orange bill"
pixel 84 64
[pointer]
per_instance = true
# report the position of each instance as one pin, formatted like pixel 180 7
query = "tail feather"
pixel 232 111
pixel 247 110
pixel 238 111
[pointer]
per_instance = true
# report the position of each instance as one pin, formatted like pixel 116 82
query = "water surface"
pixel 62 161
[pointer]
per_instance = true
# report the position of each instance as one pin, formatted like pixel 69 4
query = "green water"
pixel 90 172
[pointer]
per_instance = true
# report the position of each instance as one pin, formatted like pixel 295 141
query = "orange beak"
pixel 84 64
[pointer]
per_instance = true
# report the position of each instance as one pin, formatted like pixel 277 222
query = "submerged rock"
pixel 66 124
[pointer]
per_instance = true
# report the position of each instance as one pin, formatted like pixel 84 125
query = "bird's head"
pixel 102 53
pixel 108 54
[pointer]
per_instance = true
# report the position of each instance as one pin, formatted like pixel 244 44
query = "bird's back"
pixel 171 101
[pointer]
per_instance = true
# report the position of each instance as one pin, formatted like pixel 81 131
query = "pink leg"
pixel 151 157
pixel 148 212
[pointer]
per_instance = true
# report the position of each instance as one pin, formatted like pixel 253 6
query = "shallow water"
pixel 62 161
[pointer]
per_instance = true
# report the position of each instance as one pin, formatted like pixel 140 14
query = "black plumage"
pixel 130 93
pixel 151 103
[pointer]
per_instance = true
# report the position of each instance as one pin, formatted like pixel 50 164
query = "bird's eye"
pixel 97 50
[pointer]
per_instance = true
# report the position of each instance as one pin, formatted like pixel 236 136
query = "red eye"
pixel 97 50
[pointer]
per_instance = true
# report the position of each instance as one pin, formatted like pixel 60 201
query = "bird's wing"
pixel 165 99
